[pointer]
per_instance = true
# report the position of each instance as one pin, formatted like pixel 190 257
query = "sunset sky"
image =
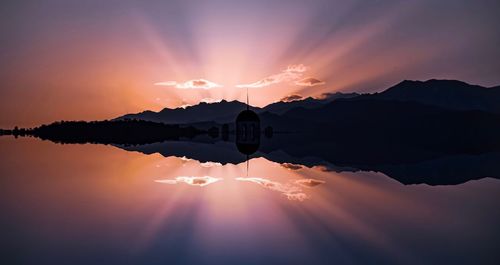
pixel 87 60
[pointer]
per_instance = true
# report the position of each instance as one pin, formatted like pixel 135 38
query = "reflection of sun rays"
pixel 340 216
pixel 292 192
pixel 219 215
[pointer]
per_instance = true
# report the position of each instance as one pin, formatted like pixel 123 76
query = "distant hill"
pixel 449 94
pixel 308 103
pixel 223 111
pixel 226 111
pixel 110 132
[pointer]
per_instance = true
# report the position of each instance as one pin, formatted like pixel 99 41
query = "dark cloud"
pixel 199 83
pixel 336 95
pixel 309 81
pixel 292 97
pixel 291 166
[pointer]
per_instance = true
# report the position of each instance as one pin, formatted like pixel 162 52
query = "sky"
pixel 91 60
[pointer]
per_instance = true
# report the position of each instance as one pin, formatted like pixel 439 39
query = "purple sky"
pixel 100 59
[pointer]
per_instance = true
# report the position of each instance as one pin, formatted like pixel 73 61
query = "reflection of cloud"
pixel 292 192
pixel 202 164
pixel 292 97
pixel 309 182
pixel 210 164
pixel 194 181
pixel 323 168
pixel 296 196
pixel 185 159
pixel 290 74
pixel 309 81
pixel 291 166
pixel 191 84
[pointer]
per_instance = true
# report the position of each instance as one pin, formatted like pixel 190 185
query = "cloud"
pixel 336 95
pixel 185 159
pixel 309 81
pixel 291 166
pixel 210 100
pixel 292 97
pixel 193 181
pixel 284 76
pixel 292 73
pixel 190 84
pixel 326 95
pixel 298 68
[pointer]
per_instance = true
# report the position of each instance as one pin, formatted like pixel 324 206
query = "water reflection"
pixel 292 188
pixel 447 169
pixel 193 181
pixel 94 204
pixel 290 191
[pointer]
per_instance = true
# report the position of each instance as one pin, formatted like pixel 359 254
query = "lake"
pixel 104 204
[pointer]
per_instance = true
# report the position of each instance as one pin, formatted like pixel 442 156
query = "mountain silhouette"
pixel 226 111
pixel 449 94
pixel 307 103
pixel 397 123
pixel 125 132
pixel 398 126
pixel 223 111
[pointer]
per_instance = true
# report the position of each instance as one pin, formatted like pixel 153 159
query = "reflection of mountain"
pixel 443 170
pixel 435 124
pixel 222 152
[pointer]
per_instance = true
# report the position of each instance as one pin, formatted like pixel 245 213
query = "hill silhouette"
pixel 307 103
pixel 226 111
pixel 398 125
pixel 449 94
pixel 218 112
pixel 128 132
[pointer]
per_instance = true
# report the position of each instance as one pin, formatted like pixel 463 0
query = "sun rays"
pixel 229 61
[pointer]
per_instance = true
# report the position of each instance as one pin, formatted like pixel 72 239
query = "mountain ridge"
pixel 446 94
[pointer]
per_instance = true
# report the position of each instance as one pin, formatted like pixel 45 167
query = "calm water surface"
pixel 96 204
